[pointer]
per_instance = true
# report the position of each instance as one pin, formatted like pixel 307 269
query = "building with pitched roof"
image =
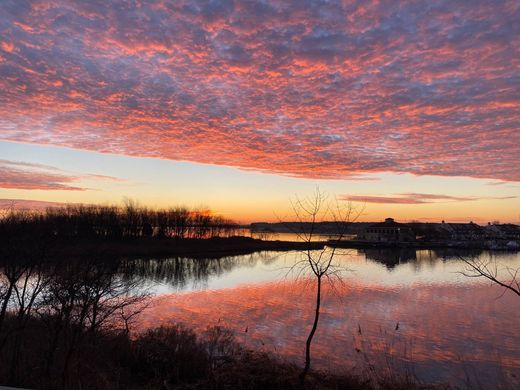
pixel 388 231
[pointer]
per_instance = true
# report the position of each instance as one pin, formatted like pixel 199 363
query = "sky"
pixel 410 109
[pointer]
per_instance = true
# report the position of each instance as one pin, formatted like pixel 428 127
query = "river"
pixel 410 312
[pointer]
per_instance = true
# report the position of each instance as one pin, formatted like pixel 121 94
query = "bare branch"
pixel 490 270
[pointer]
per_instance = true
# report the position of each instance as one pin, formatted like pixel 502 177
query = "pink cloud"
pixel 35 180
pixel 305 89
pixel 415 198
pixel 103 178
pixel 31 176
pixel 29 204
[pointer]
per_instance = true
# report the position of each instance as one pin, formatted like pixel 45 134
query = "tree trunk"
pixel 5 303
pixel 311 334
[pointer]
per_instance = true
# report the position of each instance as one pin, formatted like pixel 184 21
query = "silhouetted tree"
pixel 81 297
pixel 319 263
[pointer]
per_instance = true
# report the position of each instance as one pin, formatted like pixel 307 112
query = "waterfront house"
pixel 388 231
pixel 506 231
pixel 463 231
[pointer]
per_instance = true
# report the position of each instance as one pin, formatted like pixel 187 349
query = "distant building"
pixel 463 231
pixel 388 231
pixel 506 231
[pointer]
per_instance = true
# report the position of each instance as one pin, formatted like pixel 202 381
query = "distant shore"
pixel 421 244
pixel 188 247
pixel 228 246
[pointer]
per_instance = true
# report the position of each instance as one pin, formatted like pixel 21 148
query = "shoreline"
pixel 231 246
pixel 418 245
pixel 187 247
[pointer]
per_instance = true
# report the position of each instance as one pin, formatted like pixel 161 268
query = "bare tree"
pixel 82 297
pixel 319 264
pixel 489 268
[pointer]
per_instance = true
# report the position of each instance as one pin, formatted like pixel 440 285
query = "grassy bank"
pixel 163 358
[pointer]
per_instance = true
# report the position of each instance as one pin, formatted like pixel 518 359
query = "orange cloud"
pixel 300 88
pixel 7 47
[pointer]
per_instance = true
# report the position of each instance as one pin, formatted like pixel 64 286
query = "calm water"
pixel 411 311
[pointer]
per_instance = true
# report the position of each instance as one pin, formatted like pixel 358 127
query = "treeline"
pixel 115 222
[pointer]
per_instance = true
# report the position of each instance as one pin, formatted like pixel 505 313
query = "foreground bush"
pixel 163 358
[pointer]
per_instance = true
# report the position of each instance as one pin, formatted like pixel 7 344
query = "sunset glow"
pixel 410 108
